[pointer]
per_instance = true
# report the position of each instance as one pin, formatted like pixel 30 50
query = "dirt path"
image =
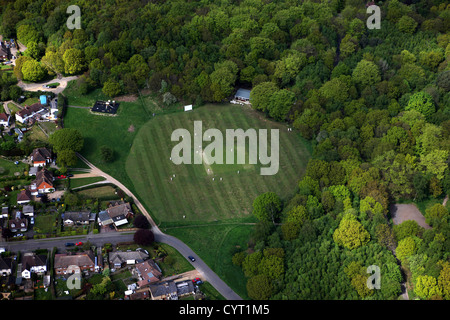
pixel 403 212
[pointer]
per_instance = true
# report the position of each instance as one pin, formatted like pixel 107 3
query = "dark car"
pixel 191 258
pixel 69 244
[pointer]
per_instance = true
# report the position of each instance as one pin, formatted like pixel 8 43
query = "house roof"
pixel 77 216
pixel 3 51
pixel 4 116
pixel 41 154
pixel 118 210
pixel 28 209
pixel 243 93
pixel 5 263
pixel 104 217
pixel 43 176
pixel 63 260
pixel 148 272
pixel 163 289
pixel 18 223
pixel 33 260
pixel 119 257
pixel 35 107
pixel 24 195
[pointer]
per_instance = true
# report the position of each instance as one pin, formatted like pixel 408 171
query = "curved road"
pixel 207 273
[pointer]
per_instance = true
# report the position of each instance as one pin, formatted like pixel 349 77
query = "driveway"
pixel 207 273
pixel 36 86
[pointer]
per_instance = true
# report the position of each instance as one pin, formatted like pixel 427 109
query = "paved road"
pixel 207 273
pixel 96 239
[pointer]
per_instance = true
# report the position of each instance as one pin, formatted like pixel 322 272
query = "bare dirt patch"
pixel 403 212
pixel 126 98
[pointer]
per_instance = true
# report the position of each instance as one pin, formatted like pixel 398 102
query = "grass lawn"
pixel 44 223
pixel 142 147
pixel 216 244
pixel 8 168
pixel 36 134
pixel 48 126
pixel 84 100
pixel 30 101
pixel 114 132
pixel 192 192
pixel 101 193
pixel 12 107
pixel 78 182
pixel 210 292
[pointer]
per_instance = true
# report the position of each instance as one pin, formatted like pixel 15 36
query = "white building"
pixel 32 263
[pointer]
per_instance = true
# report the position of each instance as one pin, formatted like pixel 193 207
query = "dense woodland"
pixel 375 105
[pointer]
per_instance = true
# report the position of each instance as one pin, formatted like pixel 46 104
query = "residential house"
pixel 3 52
pixel 4 120
pixel 148 272
pixel 139 295
pixel 71 218
pixel 28 210
pixel 24 196
pixel 33 263
pixel 117 214
pixel 164 291
pixel 43 182
pixel 5 266
pixel 40 157
pixel 68 263
pixel 29 112
pixel 18 223
pixel 171 290
pixel 242 96
pixel 119 259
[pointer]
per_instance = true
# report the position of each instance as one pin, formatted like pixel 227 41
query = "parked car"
pixel 32 220
pixel 61 177
pixel 79 244
pixel 69 244
pixel 196 280
pixel 70 175
pixel 191 258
